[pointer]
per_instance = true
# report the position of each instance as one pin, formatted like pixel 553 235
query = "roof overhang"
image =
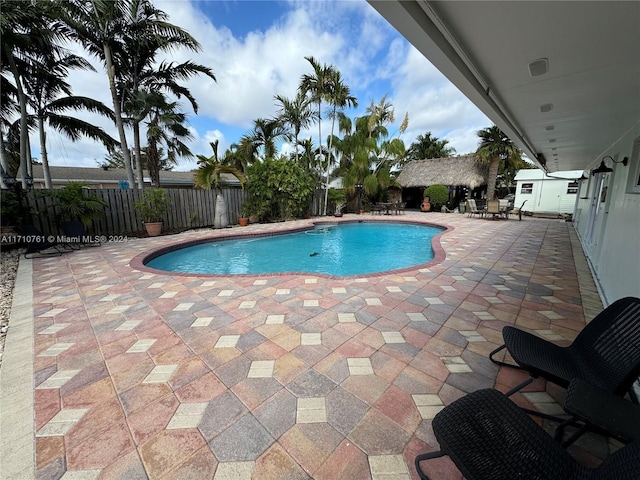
pixel 591 90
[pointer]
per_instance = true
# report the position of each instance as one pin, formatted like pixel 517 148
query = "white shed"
pixel 550 193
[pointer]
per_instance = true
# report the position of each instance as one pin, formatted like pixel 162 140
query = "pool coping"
pixel 439 254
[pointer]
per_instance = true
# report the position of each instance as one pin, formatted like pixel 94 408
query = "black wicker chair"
pixel 77 235
pixel 37 242
pixel 489 437
pixel 605 354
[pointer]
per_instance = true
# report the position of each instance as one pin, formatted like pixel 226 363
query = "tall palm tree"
pixel 339 97
pixel 494 148
pixel 149 33
pixel 296 113
pixel 317 85
pixel 29 30
pixel 50 96
pixel 100 26
pixel 209 175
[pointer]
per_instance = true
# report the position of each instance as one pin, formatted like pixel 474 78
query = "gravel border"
pixel 9 260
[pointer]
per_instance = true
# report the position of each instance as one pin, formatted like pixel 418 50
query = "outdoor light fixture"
pixel 29 181
pixel 8 180
pixel 603 167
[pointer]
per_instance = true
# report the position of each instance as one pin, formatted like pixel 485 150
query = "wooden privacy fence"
pixel 190 208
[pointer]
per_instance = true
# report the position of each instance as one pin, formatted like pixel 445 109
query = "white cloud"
pixel 253 68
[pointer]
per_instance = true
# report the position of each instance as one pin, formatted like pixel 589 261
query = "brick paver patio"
pixel 118 373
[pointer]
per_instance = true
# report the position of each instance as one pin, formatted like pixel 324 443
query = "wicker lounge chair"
pixel 605 354
pixel 601 412
pixel 488 437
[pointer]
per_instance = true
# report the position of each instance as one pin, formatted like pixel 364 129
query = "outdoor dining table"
pixel 387 206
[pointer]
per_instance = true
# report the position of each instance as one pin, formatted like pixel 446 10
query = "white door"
pixel 597 210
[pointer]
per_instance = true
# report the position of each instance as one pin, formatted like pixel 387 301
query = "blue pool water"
pixel 343 249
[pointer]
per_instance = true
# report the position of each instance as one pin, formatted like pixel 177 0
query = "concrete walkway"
pixel 120 373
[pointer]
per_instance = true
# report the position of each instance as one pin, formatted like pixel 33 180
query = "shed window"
pixel 526 188
pixel 572 188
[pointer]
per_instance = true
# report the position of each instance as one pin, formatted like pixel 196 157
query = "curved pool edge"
pixel 439 255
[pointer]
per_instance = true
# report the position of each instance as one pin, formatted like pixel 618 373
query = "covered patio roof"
pixel 462 170
pixel 559 78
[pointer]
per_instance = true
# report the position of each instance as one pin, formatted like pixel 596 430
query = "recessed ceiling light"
pixel 547 107
pixel 548 128
pixel 539 67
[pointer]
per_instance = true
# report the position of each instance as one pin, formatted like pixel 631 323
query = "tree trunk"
pixel 493 174
pixel 137 154
pixel 25 157
pixel 118 115
pixel 43 154
pixel 4 161
pixel 153 164
pixel 326 187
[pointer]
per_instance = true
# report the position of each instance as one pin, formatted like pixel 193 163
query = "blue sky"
pixel 256 50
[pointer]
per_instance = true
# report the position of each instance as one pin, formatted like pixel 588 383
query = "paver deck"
pixel 112 372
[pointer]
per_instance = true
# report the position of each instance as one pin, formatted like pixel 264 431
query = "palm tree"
pixel 339 98
pixel 317 86
pixel 147 34
pixel 429 146
pixel 45 90
pixel 296 113
pixel 29 30
pixel 209 175
pixel 369 155
pixel 263 137
pixel 166 126
pixel 495 147
pixel 100 26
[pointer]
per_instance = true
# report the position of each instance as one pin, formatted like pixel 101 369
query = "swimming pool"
pixel 343 249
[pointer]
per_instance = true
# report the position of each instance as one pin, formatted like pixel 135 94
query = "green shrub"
pixel 277 189
pixel 11 210
pixel 74 202
pixel 438 196
pixel 153 205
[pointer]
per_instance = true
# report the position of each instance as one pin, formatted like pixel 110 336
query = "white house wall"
pixel 613 244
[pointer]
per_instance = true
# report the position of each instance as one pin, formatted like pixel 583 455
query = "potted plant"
pixel 152 206
pixel 243 218
pixel 338 198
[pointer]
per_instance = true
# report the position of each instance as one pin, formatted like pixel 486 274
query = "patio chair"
pixel 601 412
pixel 605 354
pixel 488 437
pixel 77 235
pixel 473 208
pixel 493 208
pixel 504 207
pixel 37 242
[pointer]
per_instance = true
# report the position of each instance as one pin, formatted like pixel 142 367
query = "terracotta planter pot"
pixel 243 221
pixel 153 228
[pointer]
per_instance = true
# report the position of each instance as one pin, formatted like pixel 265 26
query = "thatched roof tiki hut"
pixel 464 175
